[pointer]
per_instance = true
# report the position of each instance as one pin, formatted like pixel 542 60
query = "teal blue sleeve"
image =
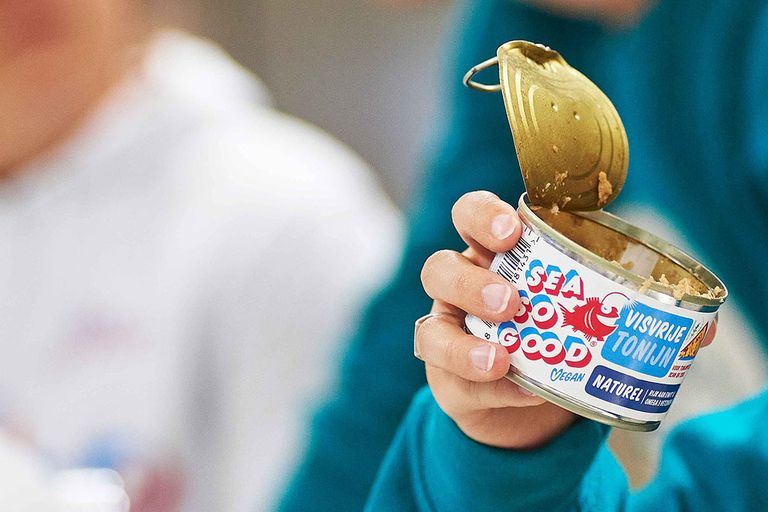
pixel 433 466
pixel 713 463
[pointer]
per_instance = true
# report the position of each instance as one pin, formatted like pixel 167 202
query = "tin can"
pixel 599 331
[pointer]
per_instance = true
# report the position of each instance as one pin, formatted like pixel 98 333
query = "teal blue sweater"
pixel 714 463
pixel 690 83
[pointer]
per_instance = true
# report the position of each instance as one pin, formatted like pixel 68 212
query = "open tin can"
pixel 611 316
pixel 596 332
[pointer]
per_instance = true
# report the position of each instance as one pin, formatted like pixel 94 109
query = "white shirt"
pixel 175 279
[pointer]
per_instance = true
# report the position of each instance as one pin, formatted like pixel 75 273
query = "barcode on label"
pixel 512 262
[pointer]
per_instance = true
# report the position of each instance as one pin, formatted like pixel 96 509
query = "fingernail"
pixel 525 392
pixel 503 225
pixel 482 356
pixel 496 297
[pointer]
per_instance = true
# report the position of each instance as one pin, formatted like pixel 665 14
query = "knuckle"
pixel 427 330
pixel 492 394
pixel 474 197
pixel 479 395
pixel 439 259
pixel 484 201
pixel 430 268
pixel 446 257
pixel 456 354
pixel 483 196
pixel 462 283
pixel 457 207
pixel 447 355
pixel 501 388
pixel 472 202
pixel 437 267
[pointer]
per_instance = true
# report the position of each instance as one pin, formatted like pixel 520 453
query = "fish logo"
pixel 595 319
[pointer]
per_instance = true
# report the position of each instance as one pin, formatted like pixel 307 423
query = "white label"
pixel 591 338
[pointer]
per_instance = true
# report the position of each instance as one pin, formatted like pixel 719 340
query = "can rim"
pixel 655 290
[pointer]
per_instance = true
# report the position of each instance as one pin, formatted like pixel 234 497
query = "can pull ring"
pixel 476 69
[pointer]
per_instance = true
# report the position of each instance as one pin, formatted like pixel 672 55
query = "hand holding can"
pixel 466 374
pixel 611 316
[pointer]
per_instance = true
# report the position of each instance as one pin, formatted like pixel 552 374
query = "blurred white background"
pixel 366 71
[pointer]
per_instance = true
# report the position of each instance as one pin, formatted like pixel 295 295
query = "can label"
pixel 590 338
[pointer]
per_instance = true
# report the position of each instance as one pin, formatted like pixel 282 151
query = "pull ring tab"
pixel 476 69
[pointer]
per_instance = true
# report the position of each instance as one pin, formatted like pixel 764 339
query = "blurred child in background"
pixel 167 255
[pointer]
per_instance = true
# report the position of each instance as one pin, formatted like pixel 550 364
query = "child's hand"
pixel 466 374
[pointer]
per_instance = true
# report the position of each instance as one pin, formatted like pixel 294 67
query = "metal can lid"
pixel 569 139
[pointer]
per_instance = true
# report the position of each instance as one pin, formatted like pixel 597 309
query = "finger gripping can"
pixel 611 317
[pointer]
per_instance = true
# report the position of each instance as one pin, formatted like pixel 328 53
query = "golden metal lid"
pixel 570 141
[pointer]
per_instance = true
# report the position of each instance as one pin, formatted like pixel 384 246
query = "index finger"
pixel 486 222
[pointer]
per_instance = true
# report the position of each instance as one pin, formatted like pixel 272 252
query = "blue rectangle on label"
pixel 626 391
pixel 646 339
